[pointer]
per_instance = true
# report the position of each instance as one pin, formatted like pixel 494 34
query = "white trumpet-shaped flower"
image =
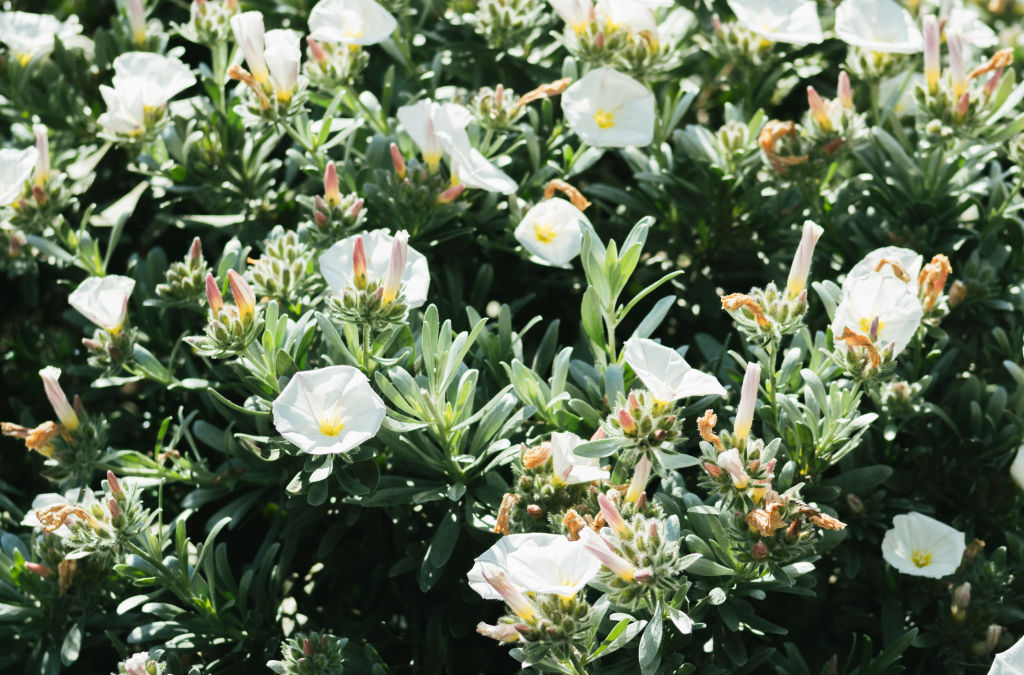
pixel 31 35
pixel 801 267
pixel 352 22
pixel 249 33
pixel 143 83
pixel 878 26
pixel 569 467
pixel 338 271
pixel 16 167
pixel 577 14
pixel 792 21
pixel 885 298
pixel 636 16
pixel 418 120
pixel 50 376
pixel 922 546
pixel 283 58
pixel 104 300
pixel 552 231
pixel 328 411
pixel 535 563
pixel 665 373
pixel 609 109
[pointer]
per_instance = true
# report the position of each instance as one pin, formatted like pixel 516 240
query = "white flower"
pixel 731 462
pixel 126 114
pixel 577 14
pixel 748 402
pixel 249 33
pixel 878 26
pixel 337 268
pixel 30 35
pixel 354 22
pixel 329 410
pixel 283 56
pixel 441 129
pixel 156 77
pixel 1017 468
pixel 801 266
pixel 892 301
pixel 609 109
pixel 792 21
pixel 569 467
pixel 972 28
pixel 536 563
pixel 1010 662
pixel 58 399
pixel 551 231
pixel 665 373
pixel 103 300
pixel 923 546
pixel 16 167
pixel 637 16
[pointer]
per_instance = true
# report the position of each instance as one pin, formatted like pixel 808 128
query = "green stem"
pixel 772 385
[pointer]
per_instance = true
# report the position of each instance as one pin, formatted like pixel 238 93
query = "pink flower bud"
pixel 393 278
pixel 931 52
pixel 213 295
pixel 42 172
pixel 90 344
pixel 599 39
pixel 713 471
pixel 398 161
pixel 307 647
pixel 634 404
pixel 611 514
pixel 195 251
pixel 137 21
pixel 320 219
pixel 39 195
pixel 244 296
pixel 963 105
pixel 626 421
pixel 818 109
pixel 731 462
pixel 316 51
pixel 993 83
pixel 76 403
pixel 451 194
pixel 716 24
pixel 500 582
pixel 332 194
pixel 114 484
pixel 39 570
pixel 359 264
pixel 16 244
pixel 641 475
pixel 759 551
pixel 598 435
pixel 801 267
pixel 355 209
pixel 844 92
pixel 499 95
pixel 115 510
pixel 873 330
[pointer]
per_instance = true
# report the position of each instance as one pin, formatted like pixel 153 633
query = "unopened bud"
pixel 332 194
pixel 39 570
pixel 359 264
pixel 355 209
pixel 115 510
pixel 114 484
pixel 213 295
pixel 844 92
pixel 451 194
pixel 818 109
pixel 316 51
pixel 963 105
pixel 39 195
pixel 961 598
pixel 245 298
pixel 195 251
pixel 320 219
pixel 986 646
pixel 759 551
pixel 713 470
pixel 534 511
pixel 957 293
pixel 634 404
pixel 398 161
pixel 626 421
pixel 599 39
pixel 307 647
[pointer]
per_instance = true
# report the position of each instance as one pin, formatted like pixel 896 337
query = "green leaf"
pixel 650 643
pixel 72 645
pixel 600 448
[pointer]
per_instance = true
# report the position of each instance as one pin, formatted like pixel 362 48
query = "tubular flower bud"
pixel 957 74
pixel 451 194
pixel 801 267
pixel 137 20
pixel 244 296
pixel 316 51
pixel 42 171
pixel 213 295
pixel 713 471
pixel 706 426
pixel 730 461
pixel 963 105
pixel 249 32
pixel 512 595
pixel 748 399
pixel 818 110
pixel 641 475
pixel 961 598
pixel 332 195
pixel 601 550
pixel 114 484
pixel 393 278
pixel 626 421
pixel 115 510
pixel 195 251
pixel 65 413
pixel 611 514
pixel 734 302
pixel 501 632
pixel 844 92
pixel 41 571
pixel 931 53
pixel 398 161
pixel 957 293
pixel 759 551
pixel 359 264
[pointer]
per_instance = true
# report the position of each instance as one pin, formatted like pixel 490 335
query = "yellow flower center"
pixel 604 119
pixel 544 232
pixel 921 558
pixel 23 59
pixel 331 426
pixel 284 96
pixel 865 325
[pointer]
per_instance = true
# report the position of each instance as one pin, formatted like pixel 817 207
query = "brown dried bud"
pixel 504 511
pixel 536 456
pixel 734 302
pixel 957 293
pixel 66 574
pixel 534 511
pixel 999 60
pixel 897 269
pixel 544 91
pixel 858 340
pixel 574 523
pixel 759 551
pixel 574 195
pixel 706 426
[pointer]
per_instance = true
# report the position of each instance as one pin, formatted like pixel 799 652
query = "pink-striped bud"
pixel 91 345
pixel 500 582
pixel 332 194
pixel 801 267
pixel 114 484
pixel 611 514
pixel 873 330
pixel 713 471
pixel 844 91
pixel 39 570
pixel 316 51
pixel 42 172
pixel 393 277
pixel 963 105
pixel 320 219
pixel 601 550
pixel 398 161
pixel 451 194
pixel 355 209
pixel 499 95
pixel 307 647
pixel 993 83
pixel 931 52
pixel 626 421
pixel 599 39
pixel 195 251
pixel 641 474
pixel 359 264
pixel 39 195
pixel 599 434
pixel 634 404
pixel 65 413
pixel 818 109
pixel 245 298
pixel 213 295
pixel 137 21
pixel 748 400
pixel 957 70
pixel 115 510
